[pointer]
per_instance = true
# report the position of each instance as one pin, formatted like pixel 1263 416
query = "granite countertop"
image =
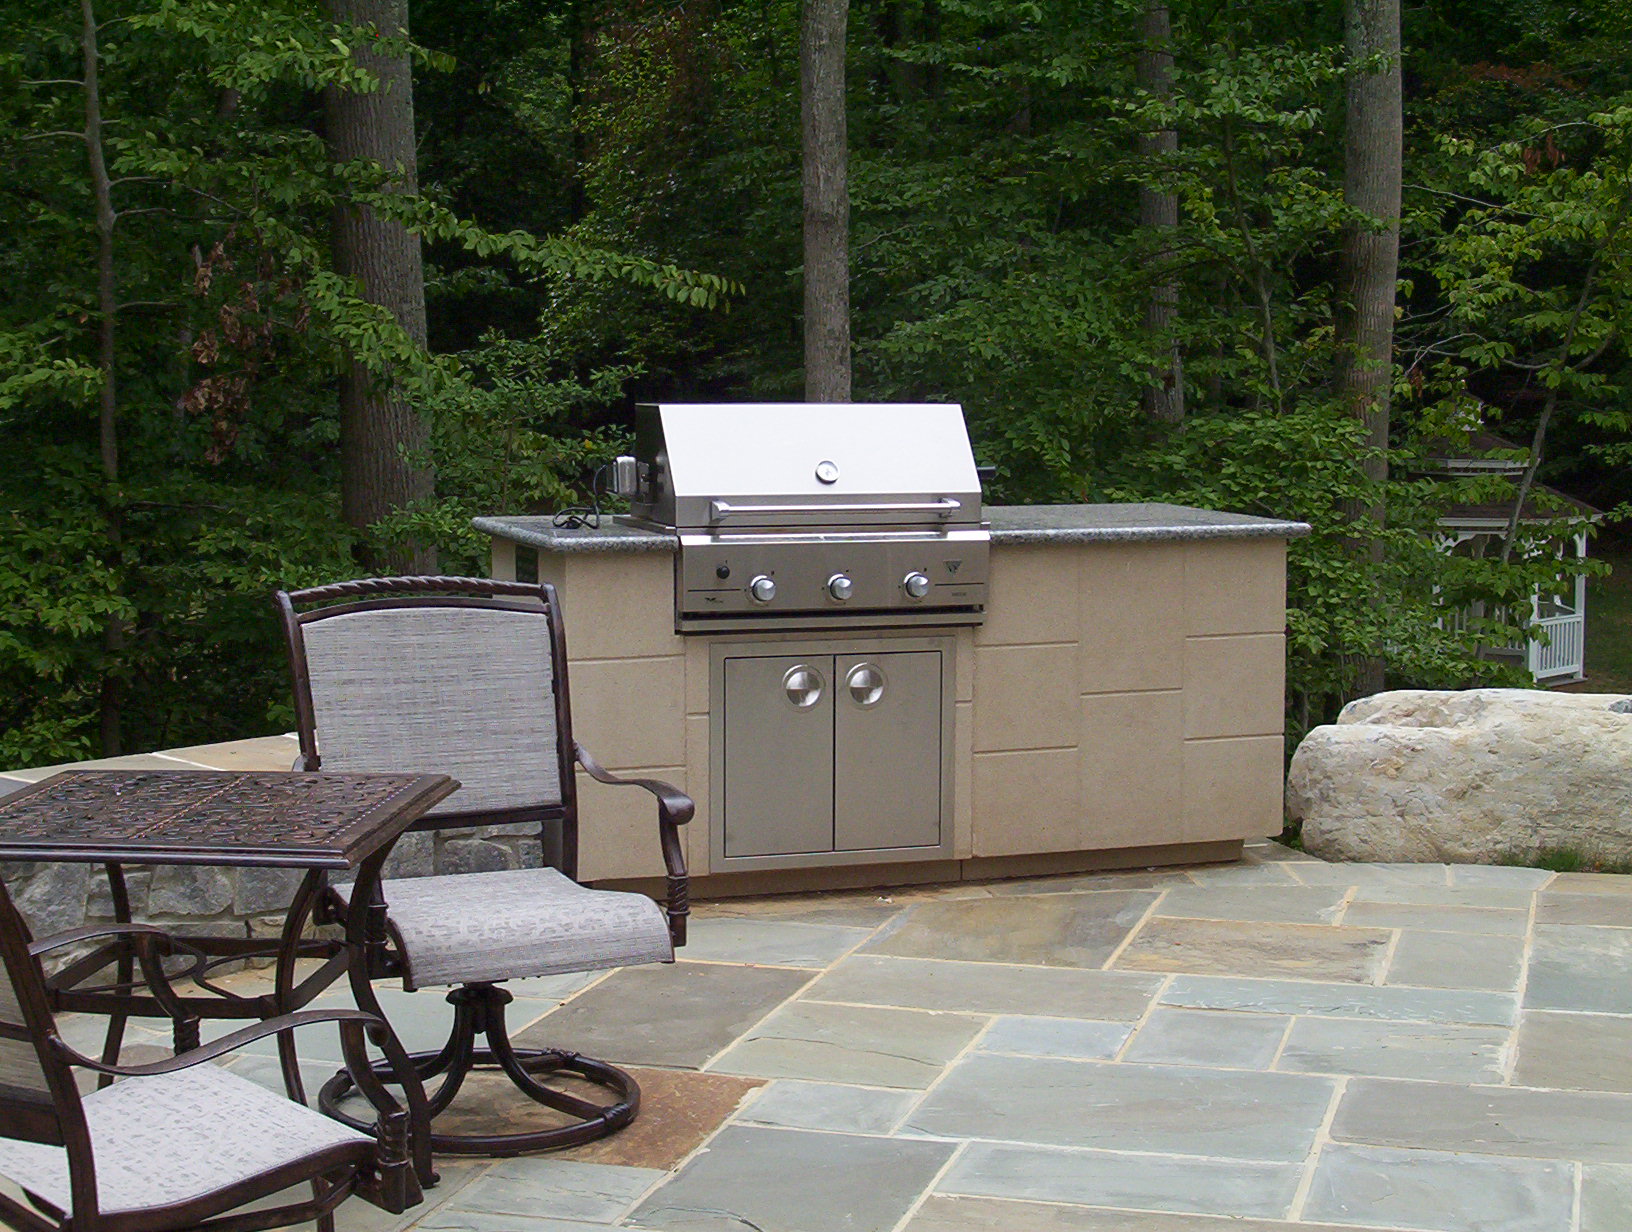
pixel 1011 524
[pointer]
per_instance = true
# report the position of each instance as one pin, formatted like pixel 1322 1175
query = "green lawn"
pixel 1609 621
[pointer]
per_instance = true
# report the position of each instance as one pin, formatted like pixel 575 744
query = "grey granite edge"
pixel 1129 534
pixel 1097 524
pixel 610 537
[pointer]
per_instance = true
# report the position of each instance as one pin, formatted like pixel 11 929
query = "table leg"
pixel 368 941
pixel 124 970
pixel 284 977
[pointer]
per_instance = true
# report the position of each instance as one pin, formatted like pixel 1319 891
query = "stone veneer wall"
pixel 56 895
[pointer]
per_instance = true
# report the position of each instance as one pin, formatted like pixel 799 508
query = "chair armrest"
pixel 89 932
pixel 674 809
pixel 227 1043
pixel 150 943
pixel 673 805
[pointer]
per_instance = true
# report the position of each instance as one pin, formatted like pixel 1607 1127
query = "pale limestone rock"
pixel 1466 776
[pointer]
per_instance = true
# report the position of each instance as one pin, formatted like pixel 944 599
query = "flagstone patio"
pixel 1272 1045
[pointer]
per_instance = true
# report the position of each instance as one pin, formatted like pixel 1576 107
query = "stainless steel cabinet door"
pixel 887 750
pixel 778 756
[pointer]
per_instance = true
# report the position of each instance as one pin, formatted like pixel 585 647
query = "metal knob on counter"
pixel 762 589
pixel 866 684
pixel 803 686
pixel 840 587
pixel 916 585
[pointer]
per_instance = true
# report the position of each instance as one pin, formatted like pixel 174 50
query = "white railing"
pixel 1563 653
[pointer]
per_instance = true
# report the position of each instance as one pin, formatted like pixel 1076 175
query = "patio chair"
pixel 468 677
pixel 179 1143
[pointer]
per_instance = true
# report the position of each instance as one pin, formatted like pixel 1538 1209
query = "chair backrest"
pixel 32 1080
pixel 459 676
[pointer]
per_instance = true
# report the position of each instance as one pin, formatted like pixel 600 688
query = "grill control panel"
pixel 831 578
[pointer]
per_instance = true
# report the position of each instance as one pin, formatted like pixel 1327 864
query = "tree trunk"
pixel 1159 212
pixel 110 700
pixel 1373 140
pixel 383 439
pixel 827 200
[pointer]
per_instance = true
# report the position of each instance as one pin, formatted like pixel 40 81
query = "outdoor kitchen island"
pixel 1120 705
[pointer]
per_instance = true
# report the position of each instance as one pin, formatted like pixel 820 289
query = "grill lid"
pixel 794 464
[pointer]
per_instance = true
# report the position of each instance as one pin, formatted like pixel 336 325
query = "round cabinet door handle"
pixel 803 686
pixel 762 589
pixel 840 587
pixel 916 585
pixel 866 684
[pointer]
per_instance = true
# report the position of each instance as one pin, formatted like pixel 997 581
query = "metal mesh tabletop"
pixel 263 818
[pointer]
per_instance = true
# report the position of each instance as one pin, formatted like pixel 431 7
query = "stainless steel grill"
pixel 804 515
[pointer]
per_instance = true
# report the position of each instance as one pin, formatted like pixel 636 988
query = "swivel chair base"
pixel 479 1010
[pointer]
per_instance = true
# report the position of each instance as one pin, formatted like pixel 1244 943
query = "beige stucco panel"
pixel 1232 788
pixel 963 757
pixel 618 835
pixel 618 605
pixel 630 712
pixel 1132 766
pixel 1130 616
pixel 1031 589
pixel 1235 586
pixel 1026 697
pixel 1234 686
pixel 1026 802
pixel 697 780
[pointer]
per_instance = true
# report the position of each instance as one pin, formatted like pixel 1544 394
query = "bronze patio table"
pixel 319 822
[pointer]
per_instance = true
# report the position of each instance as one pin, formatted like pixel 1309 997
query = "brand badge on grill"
pixel 952 566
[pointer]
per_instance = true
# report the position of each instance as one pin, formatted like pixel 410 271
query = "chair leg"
pixel 479 1010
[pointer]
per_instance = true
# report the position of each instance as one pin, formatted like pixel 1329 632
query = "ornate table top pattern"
pixel 267 818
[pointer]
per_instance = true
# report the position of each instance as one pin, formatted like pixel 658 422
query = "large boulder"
pixel 1467 776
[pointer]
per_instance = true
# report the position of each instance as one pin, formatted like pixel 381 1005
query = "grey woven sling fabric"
pixel 19 1062
pixel 172 1137
pixel 461 691
pixel 478 927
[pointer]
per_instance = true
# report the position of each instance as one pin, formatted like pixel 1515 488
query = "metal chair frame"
pixel 382 1171
pixel 479 1007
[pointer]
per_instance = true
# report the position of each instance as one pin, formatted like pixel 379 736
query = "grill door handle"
pixel 866 684
pixel 945 508
pixel 803 685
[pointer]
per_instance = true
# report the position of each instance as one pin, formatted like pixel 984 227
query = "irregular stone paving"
pixel 1275 1045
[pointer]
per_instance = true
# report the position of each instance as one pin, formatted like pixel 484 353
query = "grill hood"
pixel 799 464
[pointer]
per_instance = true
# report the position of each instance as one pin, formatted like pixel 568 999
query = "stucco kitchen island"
pixel 1120 705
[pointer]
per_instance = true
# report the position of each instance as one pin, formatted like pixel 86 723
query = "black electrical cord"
pixel 580 517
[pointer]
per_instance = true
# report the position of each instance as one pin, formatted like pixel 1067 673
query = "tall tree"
pixel 1159 213
pixel 1372 171
pixel 827 199
pixel 383 439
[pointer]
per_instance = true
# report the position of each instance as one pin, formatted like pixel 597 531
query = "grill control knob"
pixel 916 585
pixel 762 589
pixel 840 587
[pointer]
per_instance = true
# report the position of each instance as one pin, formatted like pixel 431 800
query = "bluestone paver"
pixel 1584 1052
pixel 1050 930
pixel 1232 947
pixel 1075 1038
pixel 1433 1052
pixel 1441 1192
pixel 1614 910
pixel 851 1044
pixel 1341 1000
pixel 1153 1108
pixel 790 1180
pixel 1282 904
pixel 1208 1037
pixel 1230 1187
pixel 956 1213
pixel 1580 967
pixel 771 942
pixel 1437 918
pixel 986 988
pixel 1606 1197
pixel 1457 960
pixel 1488 1120
pixel 795 1104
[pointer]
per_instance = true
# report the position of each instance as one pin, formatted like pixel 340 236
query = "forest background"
pixel 609 205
